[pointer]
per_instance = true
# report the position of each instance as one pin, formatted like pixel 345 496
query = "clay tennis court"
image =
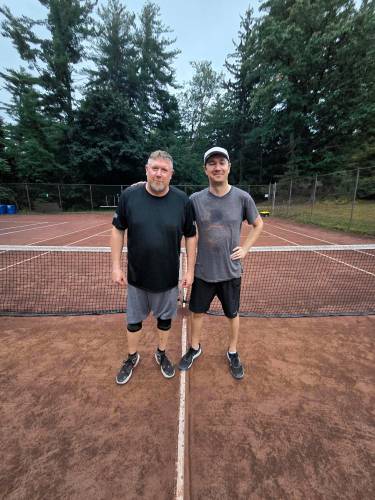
pixel 300 425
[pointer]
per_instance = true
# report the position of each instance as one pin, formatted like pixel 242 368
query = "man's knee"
pixel 164 324
pixel 134 327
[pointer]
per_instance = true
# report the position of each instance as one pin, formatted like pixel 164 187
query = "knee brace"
pixel 134 327
pixel 164 324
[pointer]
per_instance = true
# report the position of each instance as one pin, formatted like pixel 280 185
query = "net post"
pixel 354 200
pixel 92 204
pixel 273 197
pixel 28 196
pixel 313 196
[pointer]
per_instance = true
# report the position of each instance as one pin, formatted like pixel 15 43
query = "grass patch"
pixel 334 215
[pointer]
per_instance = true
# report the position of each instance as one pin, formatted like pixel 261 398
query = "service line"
pixel 181 422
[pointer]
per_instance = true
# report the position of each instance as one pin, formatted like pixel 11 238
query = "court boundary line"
pixel 66 234
pixel 331 247
pixel 51 249
pixel 305 235
pixel 32 228
pixel 180 462
pixel 26 225
pixel 300 234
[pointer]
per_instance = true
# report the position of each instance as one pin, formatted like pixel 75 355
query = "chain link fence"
pixel 75 197
pixel 60 197
pixel 342 200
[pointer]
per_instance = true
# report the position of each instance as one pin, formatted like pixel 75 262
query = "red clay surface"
pixel 93 229
pixel 67 429
pixel 300 425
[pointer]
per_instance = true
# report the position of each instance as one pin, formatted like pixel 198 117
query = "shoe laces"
pixel 234 359
pixel 164 360
pixel 129 362
pixel 191 351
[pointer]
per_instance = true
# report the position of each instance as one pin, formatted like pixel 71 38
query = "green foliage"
pixel 300 98
pixel 303 82
pixel 199 94
pixel 108 140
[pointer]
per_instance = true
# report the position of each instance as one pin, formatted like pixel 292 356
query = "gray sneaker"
pixel 188 358
pixel 166 367
pixel 235 365
pixel 126 371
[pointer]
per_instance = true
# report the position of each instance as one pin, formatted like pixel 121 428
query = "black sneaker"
pixel 235 365
pixel 166 367
pixel 126 370
pixel 188 358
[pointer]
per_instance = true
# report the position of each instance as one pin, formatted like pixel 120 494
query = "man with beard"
pixel 156 216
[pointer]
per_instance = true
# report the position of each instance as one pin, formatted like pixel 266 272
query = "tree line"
pixel 96 93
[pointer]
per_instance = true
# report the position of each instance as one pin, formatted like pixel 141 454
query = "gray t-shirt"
pixel 219 220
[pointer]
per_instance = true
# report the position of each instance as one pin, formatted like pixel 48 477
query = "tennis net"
pixel 277 281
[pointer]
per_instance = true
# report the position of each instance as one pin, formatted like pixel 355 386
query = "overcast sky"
pixel 205 29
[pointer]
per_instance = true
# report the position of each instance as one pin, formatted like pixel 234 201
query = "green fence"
pixel 342 200
pixel 75 197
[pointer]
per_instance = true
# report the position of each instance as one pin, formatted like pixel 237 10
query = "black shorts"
pixel 228 292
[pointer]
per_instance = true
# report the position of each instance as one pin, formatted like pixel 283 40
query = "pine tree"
pixel 158 109
pixel 109 139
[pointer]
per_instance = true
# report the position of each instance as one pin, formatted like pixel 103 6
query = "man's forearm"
pixel 117 243
pixel 253 235
pixel 191 253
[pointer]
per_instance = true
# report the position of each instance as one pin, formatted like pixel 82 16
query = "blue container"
pixel 3 209
pixel 11 209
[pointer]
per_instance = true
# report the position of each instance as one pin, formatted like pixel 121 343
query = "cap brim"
pixel 215 153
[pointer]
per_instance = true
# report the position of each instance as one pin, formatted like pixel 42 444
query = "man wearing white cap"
pixel 220 210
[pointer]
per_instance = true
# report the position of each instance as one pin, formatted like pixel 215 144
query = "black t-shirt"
pixel 155 228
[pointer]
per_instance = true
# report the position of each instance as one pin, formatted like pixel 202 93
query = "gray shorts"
pixel 163 305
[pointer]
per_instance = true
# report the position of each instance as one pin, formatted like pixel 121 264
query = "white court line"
pixel 312 237
pixel 22 261
pixel 301 234
pixel 87 238
pixel 26 225
pixel 180 463
pixel 66 234
pixel 345 264
pixel 281 238
pixel 323 255
pixel 32 228
pixel 45 253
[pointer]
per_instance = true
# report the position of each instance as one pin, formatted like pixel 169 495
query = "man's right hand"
pixel 118 276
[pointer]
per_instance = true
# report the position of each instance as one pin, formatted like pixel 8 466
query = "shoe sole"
pixel 195 356
pixel 234 376
pixel 130 374
pixel 161 369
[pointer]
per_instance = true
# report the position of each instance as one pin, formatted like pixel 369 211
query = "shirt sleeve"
pixel 119 218
pixel 189 226
pixel 250 210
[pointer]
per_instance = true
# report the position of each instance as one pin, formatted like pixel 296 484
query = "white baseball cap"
pixel 215 151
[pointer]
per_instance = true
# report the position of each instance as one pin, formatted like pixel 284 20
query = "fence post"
pixel 28 197
pixel 354 199
pixel 313 196
pixel 92 205
pixel 290 196
pixel 273 197
pixel 58 188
